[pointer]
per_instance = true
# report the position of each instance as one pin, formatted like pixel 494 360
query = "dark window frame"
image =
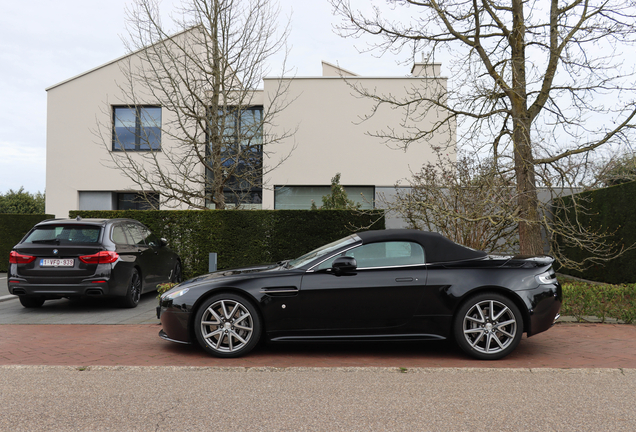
pixel 116 144
pixel 139 201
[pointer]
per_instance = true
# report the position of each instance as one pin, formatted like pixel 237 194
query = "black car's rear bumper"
pixel 88 288
pixel 544 304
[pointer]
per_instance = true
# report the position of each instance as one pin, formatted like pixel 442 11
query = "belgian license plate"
pixel 57 263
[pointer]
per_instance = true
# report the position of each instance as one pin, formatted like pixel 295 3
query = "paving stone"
pixel 563 346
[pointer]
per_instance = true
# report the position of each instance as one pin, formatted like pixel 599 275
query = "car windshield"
pixel 322 251
pixel 64 234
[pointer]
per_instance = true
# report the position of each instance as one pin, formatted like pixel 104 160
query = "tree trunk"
pixel 530 241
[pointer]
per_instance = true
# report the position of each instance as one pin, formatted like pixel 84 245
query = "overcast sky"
pixel 48 41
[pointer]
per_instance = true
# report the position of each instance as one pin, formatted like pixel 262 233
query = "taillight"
pixel 103 257
pixel 17 258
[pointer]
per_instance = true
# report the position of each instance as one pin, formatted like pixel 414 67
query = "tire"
pixel 133 293
pixel 177 276
pixel 227 325
pixel 31 302
pixel 488 326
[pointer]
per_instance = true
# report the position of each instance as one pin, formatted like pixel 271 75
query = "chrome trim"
pixel 279 290
pixel 387 267
pixel 311 269
pixel 384 267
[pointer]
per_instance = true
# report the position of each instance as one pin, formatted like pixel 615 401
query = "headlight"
pixel 171 295
pixel 546 278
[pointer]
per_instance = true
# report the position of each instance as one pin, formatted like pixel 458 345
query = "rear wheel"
pixel 488 326
pixel 227 325
pixel 31 302
pixel 133 294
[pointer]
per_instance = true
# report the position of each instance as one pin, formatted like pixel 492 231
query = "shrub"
pixel 602 301
pixel 13 227
pixel 245 237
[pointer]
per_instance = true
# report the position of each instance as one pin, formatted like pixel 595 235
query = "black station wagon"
pixel 63 258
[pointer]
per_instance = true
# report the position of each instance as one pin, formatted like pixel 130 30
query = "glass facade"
pixel 301 197
pixel 137 201
pixel 242 154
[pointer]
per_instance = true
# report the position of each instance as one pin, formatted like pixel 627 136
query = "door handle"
pixel 404 279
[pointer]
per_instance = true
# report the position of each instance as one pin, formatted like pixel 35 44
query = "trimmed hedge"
pixel 244 237
pixel 610 209
pixel 602 301
pixel 13 227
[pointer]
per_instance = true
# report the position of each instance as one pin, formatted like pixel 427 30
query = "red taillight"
pixel 17 258
pixel 103 257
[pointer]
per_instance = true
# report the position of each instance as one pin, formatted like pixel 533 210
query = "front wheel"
pixel 227 325
pixel 488 326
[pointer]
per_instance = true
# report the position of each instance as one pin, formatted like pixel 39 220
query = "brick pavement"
pixel 563 346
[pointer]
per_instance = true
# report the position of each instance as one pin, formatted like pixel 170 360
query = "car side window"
pixel 383 254
pixel 135 237
pixel 387 254
pixel 119 235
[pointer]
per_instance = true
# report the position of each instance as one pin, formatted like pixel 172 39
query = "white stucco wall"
pixel 330 136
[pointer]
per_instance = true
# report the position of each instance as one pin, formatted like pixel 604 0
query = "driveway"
pixel 87 311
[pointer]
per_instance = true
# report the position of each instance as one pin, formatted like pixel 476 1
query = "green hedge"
pixel 245 237
pixel 609 210
pixel 12 228
pixel 602 301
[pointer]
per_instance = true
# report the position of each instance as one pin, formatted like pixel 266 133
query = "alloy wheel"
pixel 227 326
pixel 490 327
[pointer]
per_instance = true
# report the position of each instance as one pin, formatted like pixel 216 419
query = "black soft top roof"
pixel 437 248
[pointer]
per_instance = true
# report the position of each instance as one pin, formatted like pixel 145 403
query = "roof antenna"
pixel 78 218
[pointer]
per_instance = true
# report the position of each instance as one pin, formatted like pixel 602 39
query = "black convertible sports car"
pixel 370 286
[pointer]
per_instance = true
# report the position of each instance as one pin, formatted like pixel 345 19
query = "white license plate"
pixel 57 263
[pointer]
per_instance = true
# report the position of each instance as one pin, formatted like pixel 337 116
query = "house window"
pixel 137 128
pixel 301 197
pixel 137 201
pixel 241 153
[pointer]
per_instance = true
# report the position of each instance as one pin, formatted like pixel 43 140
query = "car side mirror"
pixel 344 264
pixel 163 242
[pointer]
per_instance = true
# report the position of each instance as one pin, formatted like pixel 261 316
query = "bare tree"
pixel 536 84
pixel 616 170
pixel 191 100
pixel 466 200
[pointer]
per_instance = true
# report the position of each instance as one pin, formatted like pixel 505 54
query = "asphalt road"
pixel 322 399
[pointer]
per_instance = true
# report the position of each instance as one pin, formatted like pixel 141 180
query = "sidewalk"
pixel 563 346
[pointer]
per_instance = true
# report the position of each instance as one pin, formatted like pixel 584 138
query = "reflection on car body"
pixel 89 257
pixel 371 286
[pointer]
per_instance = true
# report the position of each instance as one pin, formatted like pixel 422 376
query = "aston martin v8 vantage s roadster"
pixel 371 286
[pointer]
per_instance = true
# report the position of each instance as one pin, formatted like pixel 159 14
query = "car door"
pixel 384 291
pixel 145 255
pixel 163 261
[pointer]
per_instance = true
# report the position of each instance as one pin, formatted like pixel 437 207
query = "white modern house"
pixel 326 112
